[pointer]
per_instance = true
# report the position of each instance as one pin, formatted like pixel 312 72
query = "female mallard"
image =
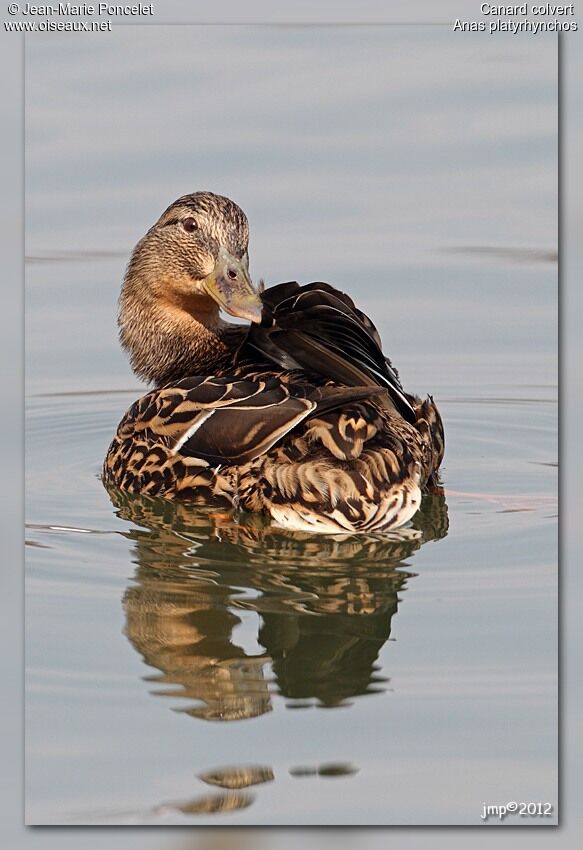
pixel 299 415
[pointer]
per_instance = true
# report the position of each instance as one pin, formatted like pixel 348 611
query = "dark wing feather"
pixel 224 421
pixel 318 329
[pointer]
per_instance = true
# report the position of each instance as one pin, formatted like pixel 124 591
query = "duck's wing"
pixel 318 329
pixel 225 421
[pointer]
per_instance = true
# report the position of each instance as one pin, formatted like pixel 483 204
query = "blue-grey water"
pixel 185 668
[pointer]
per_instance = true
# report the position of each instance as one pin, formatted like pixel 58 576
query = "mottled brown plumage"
pixel 299 416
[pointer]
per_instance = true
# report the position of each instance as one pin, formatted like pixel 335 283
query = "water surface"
pixel 195 667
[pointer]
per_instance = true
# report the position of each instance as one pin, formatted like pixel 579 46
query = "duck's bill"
pixel 230 286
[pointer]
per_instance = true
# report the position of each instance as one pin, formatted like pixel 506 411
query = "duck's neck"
pixel 168 339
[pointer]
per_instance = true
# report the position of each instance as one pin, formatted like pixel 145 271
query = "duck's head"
pixel 191 264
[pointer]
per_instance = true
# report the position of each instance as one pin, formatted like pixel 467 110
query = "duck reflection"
pixel 325 605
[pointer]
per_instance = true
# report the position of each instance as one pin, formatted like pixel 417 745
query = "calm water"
pixel 187 667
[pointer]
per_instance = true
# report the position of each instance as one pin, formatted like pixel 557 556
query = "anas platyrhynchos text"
pixel 297 415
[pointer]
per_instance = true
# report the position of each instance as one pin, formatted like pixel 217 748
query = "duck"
pixel 294 412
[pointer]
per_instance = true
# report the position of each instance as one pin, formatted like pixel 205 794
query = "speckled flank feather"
pixel 301 417
pixel 309 456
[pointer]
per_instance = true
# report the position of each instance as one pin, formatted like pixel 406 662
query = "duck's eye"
pixel 190 225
